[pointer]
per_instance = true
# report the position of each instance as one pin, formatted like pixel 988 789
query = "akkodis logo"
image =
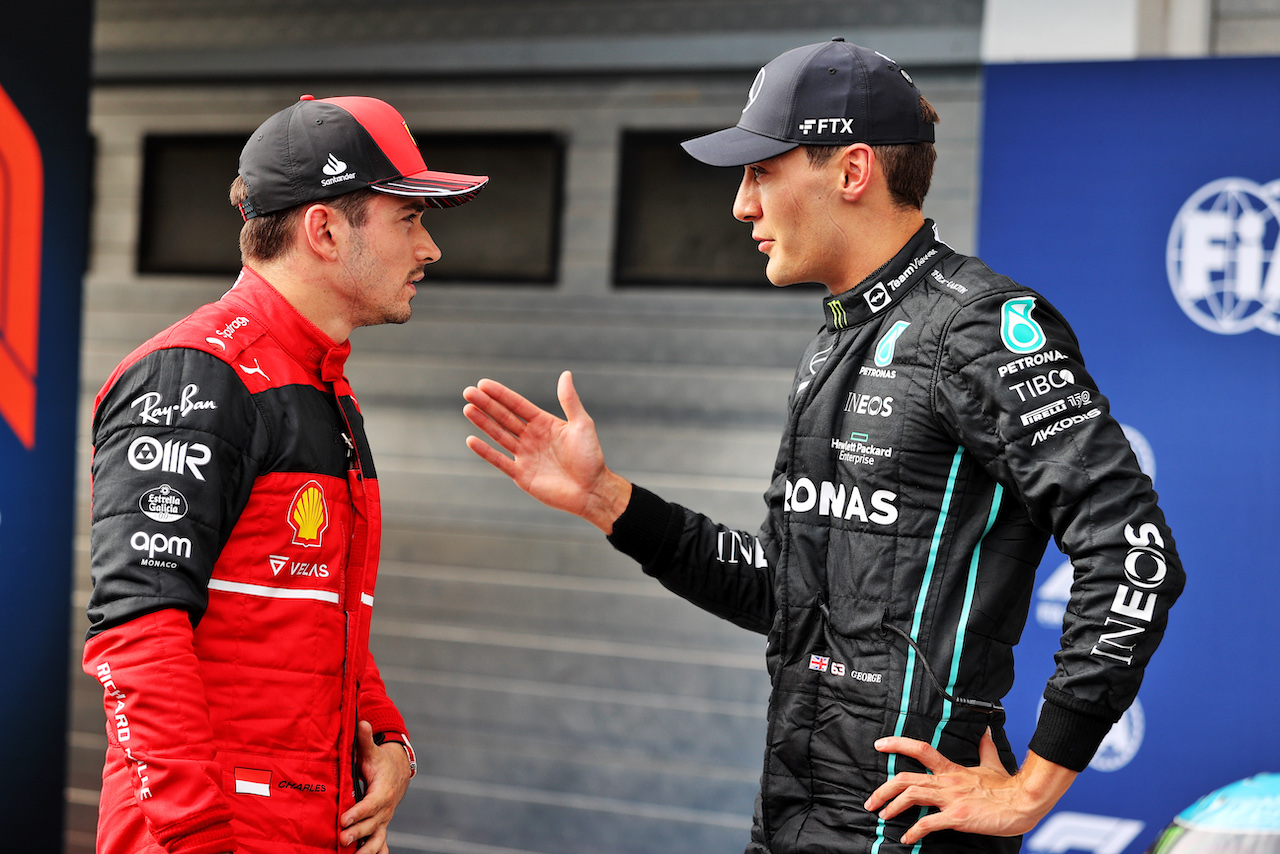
pixel 1221 256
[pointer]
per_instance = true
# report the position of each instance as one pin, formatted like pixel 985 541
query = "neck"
pixel 880 236
pixel 306 291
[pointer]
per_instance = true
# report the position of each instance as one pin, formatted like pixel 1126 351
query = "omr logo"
pixel 21 213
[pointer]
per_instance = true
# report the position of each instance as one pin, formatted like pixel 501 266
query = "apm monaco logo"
pixel 309 515
pixel 1221 256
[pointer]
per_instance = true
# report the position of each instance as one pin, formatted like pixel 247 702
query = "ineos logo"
pixel 1151 575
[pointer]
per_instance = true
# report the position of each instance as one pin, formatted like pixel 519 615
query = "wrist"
pixel 608 501
pixel 382 738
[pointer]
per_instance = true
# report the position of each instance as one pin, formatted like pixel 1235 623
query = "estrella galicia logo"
pixel 1221 256
pixel 884 350
pixel 1019 332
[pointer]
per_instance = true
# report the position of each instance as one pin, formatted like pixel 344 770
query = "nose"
pixel 746 205
pixel 427 250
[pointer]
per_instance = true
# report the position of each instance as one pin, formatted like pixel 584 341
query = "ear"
pixel 857 165
pixel 324 230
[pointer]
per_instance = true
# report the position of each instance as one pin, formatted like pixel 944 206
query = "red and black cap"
pixel 315 150
pixel 829 93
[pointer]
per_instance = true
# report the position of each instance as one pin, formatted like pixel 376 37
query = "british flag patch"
pixel 819 662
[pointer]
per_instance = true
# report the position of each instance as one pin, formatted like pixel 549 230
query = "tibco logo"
pixel 1221 256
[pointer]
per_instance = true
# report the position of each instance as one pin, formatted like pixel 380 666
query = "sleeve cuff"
pixel 402 740
pixel 641 531
pixel 1068 737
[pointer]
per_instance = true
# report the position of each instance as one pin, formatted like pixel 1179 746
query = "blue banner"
pixel 44 196
pixel 1143 200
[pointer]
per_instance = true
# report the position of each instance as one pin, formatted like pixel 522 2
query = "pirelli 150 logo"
pixel 1221 256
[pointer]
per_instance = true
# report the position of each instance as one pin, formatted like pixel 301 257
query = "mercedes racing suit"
pixel 235 542
pixel 941 427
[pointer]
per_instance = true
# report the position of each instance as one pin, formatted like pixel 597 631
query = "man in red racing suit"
pixel 236 517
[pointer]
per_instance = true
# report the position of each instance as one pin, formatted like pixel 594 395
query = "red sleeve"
pixel 157 714
pixel 374 704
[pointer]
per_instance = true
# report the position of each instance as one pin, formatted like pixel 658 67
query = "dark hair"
pixel 908 168
pixel 269 236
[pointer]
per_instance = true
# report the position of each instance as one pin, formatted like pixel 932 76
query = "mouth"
pixel 764 244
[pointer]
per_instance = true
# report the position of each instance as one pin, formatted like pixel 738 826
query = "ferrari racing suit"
pixel 234 551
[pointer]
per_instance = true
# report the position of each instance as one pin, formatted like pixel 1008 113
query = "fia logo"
pixel 1220 257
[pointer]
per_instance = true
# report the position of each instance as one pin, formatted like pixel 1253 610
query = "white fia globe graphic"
pixel 1220 256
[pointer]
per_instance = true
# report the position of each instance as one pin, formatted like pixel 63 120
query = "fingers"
pixel 501 462
pixel 917 750
pixel 492 416
pixel 988 753
pixel 517 404
pixel 491 428
pixel 569 400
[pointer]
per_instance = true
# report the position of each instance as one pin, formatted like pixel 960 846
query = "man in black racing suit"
pixel 941 427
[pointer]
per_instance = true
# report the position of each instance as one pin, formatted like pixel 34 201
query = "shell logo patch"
pixel 309 514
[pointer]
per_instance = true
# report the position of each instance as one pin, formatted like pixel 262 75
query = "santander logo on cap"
pixel 333 166
pixel 336 170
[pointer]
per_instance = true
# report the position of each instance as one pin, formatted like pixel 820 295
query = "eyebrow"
pixel 415 205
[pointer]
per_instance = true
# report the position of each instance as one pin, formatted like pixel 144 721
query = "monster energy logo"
pixel 838 317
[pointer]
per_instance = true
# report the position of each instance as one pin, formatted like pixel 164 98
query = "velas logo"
pixel 1019 332
pixel 1221 256
pixel 22 192
pixel 309 515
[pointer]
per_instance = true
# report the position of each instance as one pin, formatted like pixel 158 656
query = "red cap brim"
pixel 439 189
